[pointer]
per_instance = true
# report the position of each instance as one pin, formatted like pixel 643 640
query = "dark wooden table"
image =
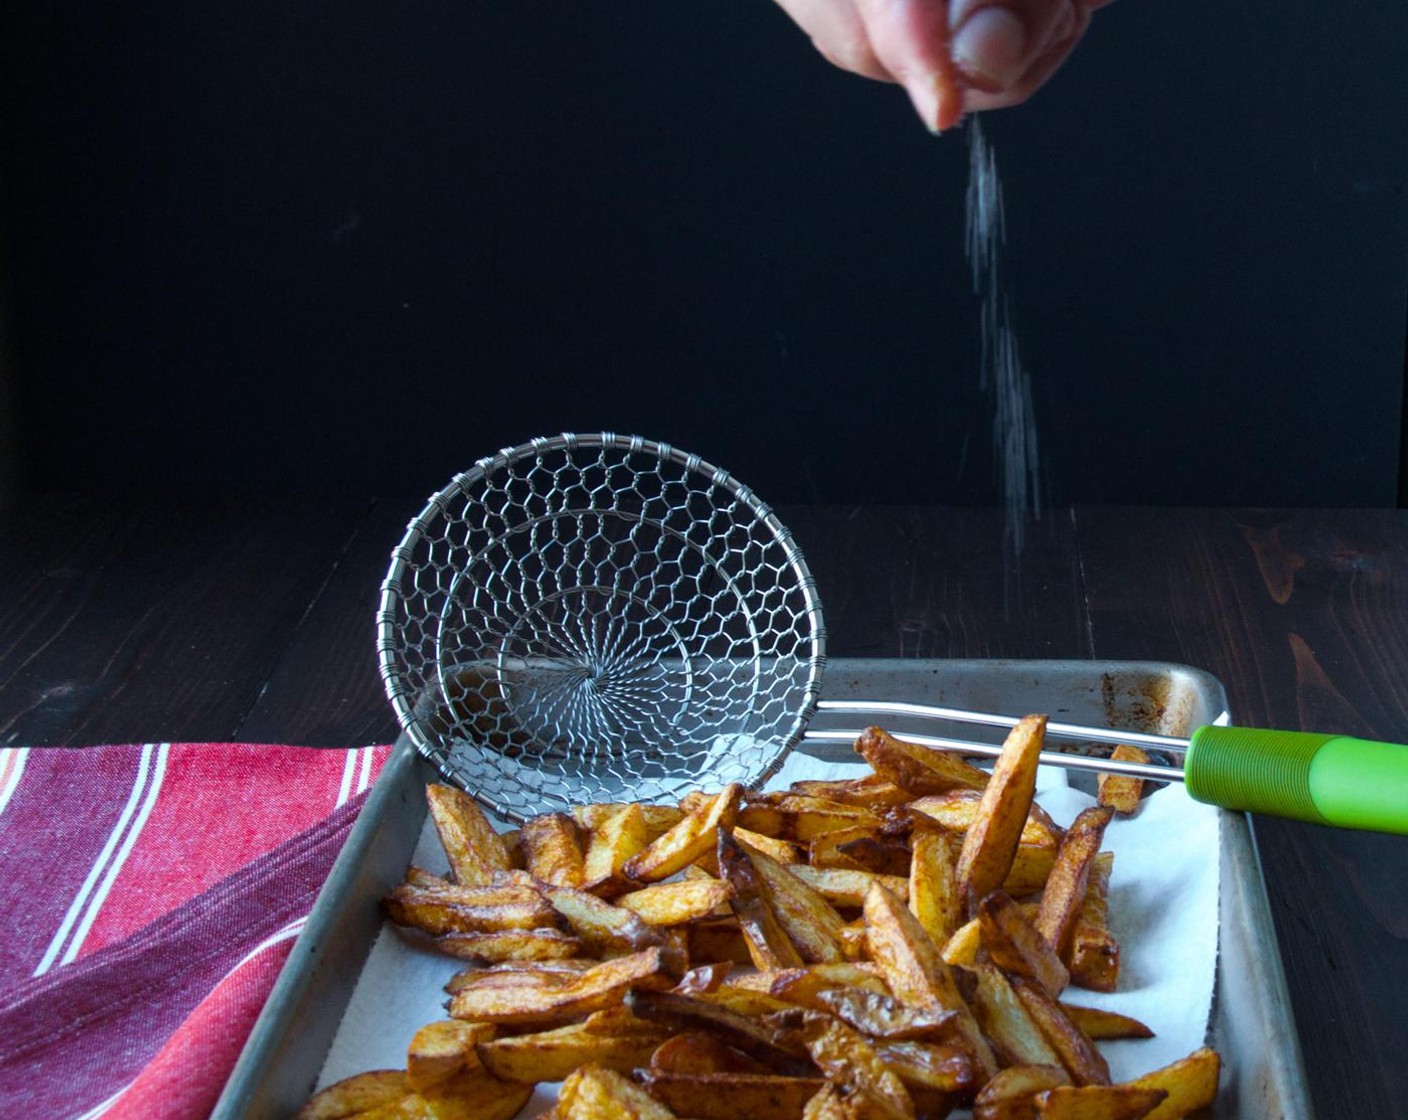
pixel 157 618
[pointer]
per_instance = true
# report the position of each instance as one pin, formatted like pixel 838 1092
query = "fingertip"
pixel 990 48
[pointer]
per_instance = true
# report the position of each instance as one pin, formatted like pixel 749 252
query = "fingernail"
pixel 990 48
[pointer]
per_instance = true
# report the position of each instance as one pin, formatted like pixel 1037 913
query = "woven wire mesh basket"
pixel 599 618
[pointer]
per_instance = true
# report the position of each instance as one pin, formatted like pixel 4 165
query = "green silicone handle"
pixel 1325 779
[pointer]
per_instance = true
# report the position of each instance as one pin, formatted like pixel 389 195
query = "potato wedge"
pixel 1119 791
pixel 444 1049
pixel 599 987
pixel 1191 1084
pixel 552 1055
pixel 1064 893
pixel 605 929
pixel 990 844
pixel 1005 1020
pixel 882 1017
pixel 1078 1054
pixel 511 945
pixel 1011 1095
pixel 358 1094
pixel 918 770
pixel 454 909
pixel 742 1031
pixel 675 903
pixel 934 897
pixel 1094 951
pixel 1097 1102
pixel 597 1093
pixel 473 1095
pixel 697 1052
pixel 1100 1025
pixel 843 886
pixel 691 838
pixel 1015 944
pixel 471 844
pixel 846 1058
pixel 730 1095
pixel 810 922
pixel 768 942
pixel 552 849
pixel 958 810
pixel 612 842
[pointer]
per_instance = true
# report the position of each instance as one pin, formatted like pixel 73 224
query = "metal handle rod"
pixel 1144 770
pixel 962 715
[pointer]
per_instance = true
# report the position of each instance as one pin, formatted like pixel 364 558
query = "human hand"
pixel 951 56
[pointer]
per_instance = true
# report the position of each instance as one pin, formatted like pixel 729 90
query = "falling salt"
pixel 1001 369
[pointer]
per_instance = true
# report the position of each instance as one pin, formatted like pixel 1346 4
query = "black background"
pixel 356 246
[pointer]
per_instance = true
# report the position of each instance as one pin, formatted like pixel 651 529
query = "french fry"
pixel 607 930
pixel 884 1018
pixel 553 1054
pixel 963 947
pixel 1064 893
pixel 552 849
pixel 599 987
pixel 843 886
pixel 933 886
pixel 1011 1094
pixel 691 838
pixel 1016 945
pixel 718 940
pixel 871 792
pixel 830 1104
pixel 1191 1084
pixel 659 819
pixel 1099 1024
pixel 1005 1020
pixel 454 909
pixel 361 1093
pixel 697 1052
pixel 808 919
pixel 853 847
pixel 791 816
pixel 511 945
pixel 918 770
pixel 1078 1054
pixel 958 810
pixel 703 978
pixel 1097 1102
pixel 990 844
pixel 1119 791
pixel 927 1065
pixel 731 1095
pixel 597 1093
pixel 675 903
pixel 612 842
pixel 847 1059
pixel 444 1049
pixel 473 848
pixel 916 973
pixel 804 986
pixel 768 942
pixel 740 1030
pixel 1095 953
pixel 784 851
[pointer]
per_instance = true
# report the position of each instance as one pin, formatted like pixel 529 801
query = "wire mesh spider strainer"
pixel 595 618
pixel 605 618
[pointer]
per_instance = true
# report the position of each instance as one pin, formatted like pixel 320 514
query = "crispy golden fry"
pixel 784 851
pixel 1065 886
pixel 691 838
pixel 1118 791
pixel 791 816
pixel 1078 1054
pixel 1094 953
pixel 659 819
pixel 599 987
pixel 768 942
pixel 420 877
pixel 927 1065
pixel 919 770
pixel 872 792
pixel 830 1104
pixel 675 903
pixel 618 837
pixel 1005 1020
pixel 512 973
pixel 916 973
pixel 697 1052
pixel 453 909
pixel 607 930
pixel 1015 944
pixel 963 947
pixel 443 1050
pixel 933 885
pixel 958 810
pixel 742 1031
pixel 731 1096
pixel 1011 1094
pixel 854 847
pixel 717 939
pixel 358 1094
pixel 882 1017
pixel 1191 1084
pixel 844 886
pixel 1097 1102
pixel 473 848
pixel 475 1095
pixel 511 945
pixel 746 1001
pixel 552 849
pixel 596 1093
pixel 808 919
pixel 803 986
pixel 990 844
pixel 1099 1024
pixel 847 1059
pixel 551 1055
pixel 703 978
pixel 1031 867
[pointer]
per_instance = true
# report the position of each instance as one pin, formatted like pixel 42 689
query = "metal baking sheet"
pixel 1251 1026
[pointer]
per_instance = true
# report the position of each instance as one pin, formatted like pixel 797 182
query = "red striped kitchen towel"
pixel 152 893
